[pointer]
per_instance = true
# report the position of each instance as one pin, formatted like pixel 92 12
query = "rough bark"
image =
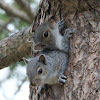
pixel 15 47
pixel 83 73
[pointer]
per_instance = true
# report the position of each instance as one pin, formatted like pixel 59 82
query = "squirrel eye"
pixel 46 34
pixel 40 71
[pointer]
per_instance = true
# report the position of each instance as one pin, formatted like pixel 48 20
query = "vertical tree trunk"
pixel 83 73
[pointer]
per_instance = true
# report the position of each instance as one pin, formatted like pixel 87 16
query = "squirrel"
pixel 47 68
pixel 48 36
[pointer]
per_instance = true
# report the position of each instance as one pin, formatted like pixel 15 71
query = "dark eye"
pixel 46 34
pixel 39 71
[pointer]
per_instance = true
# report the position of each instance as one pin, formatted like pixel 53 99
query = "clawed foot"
pixel 69 32
pixel 61 24
pixel 62 79
pixel 40 88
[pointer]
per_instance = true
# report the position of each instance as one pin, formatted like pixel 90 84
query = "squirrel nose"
pixel 37 46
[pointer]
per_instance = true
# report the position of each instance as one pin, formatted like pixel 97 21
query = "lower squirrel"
pixel 47 68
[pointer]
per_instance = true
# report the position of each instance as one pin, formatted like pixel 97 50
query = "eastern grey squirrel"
pixel 48 36
pixel 47 68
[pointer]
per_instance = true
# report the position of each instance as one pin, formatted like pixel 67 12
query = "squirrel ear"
pixel 30 39
pixel 42 59
pixel 25 60
pixel 52 23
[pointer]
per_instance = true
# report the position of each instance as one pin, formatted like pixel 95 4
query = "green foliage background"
pixel 7 29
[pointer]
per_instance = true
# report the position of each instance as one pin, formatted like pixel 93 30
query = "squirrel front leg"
pixel 61 25
pixel 62 79
pixel 65 42
pixel 68 33
pixel 40 88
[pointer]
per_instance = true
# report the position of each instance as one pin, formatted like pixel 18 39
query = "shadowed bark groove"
pixel 83 73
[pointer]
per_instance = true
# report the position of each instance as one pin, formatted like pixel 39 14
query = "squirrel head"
pixel 45 36
pixel 37 69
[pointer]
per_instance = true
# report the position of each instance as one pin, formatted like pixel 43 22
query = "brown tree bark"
pixel 83 73
pixel 15 47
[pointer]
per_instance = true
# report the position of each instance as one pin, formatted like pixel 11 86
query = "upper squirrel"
pixel 48 36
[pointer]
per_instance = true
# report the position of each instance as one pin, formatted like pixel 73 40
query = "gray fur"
pixel 56 53
pixel 55 41
pixel 56 64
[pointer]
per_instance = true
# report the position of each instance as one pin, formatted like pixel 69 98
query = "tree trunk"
pixel 83 72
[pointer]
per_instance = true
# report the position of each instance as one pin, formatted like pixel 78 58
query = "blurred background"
pixel 15 15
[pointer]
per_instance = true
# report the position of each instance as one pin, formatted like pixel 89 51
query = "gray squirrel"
pixel 47 68
pixel 48 36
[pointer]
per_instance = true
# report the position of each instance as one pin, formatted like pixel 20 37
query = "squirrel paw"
pixel 69 32
pixel 61 24
pixel 62 79
pixel 40 88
